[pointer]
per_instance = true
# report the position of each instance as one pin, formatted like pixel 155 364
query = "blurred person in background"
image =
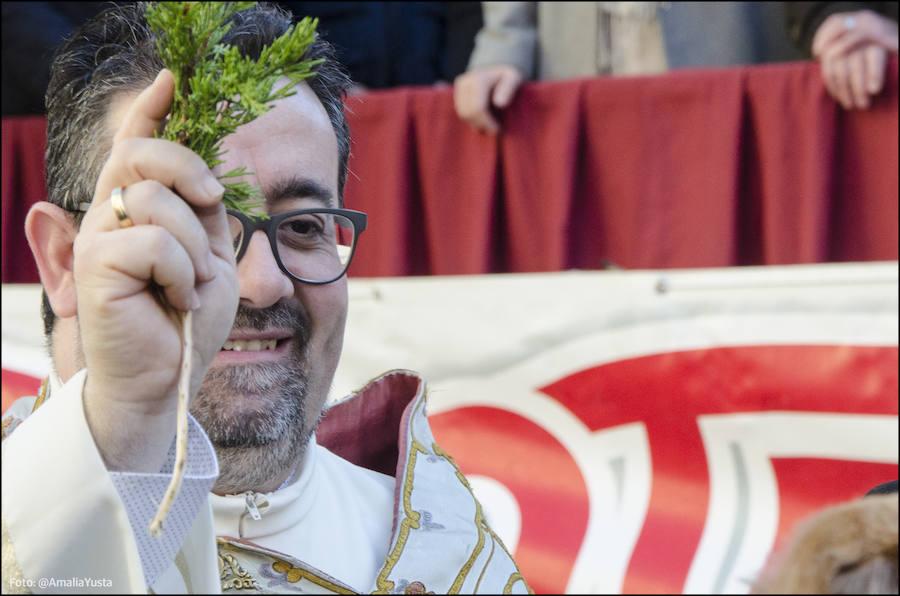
pixel 851 40
pixel 522 41
pixel 849 548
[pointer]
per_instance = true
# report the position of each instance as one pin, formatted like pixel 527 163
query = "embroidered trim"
pixel 234 577
pixel 516 577
pixel 271 559
pixel 11 421
pixel 45 387
pixel 486 563
pixel 480 523
pixel 7 424
pixel 518 573
pixel 374 380
pixel 294 574
pixel 411 520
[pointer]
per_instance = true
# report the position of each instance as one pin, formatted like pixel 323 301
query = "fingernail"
pixel 195 300
pixel 212 186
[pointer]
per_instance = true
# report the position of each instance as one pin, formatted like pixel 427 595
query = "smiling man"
pixel 280 494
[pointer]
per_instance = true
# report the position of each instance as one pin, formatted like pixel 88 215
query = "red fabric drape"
pixel 697 168
pixel 22 184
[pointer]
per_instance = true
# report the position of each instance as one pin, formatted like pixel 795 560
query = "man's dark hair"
pixel 115 53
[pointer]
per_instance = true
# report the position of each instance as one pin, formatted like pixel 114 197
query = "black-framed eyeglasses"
pixel 313 246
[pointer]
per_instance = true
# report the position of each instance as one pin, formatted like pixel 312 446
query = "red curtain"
pixel 22 184
pixel 696 168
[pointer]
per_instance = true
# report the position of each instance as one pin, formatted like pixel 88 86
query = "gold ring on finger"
pixel 118 205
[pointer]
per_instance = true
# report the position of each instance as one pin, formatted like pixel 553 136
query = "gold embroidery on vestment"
pixel 411 521
pixel 13 580
pixel 249 552
pixel 11 422
pixel 482 525
pixel 516 577
pixel 6 422
pixel 295 574
pixel 479 522
pixel 45 385
pixel 486 563
pixel 233 576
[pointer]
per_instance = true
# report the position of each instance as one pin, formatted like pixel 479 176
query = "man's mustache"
pixel 278 316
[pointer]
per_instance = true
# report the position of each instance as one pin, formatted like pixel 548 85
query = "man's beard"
pixel 259 438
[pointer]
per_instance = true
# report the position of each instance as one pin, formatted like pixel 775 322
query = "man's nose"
pixel 262 282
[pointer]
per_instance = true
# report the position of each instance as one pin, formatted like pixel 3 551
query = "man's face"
pixel 260 405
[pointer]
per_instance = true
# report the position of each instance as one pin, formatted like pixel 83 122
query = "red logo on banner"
pixel 668 393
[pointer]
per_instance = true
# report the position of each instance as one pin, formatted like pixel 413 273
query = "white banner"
pixel 640 431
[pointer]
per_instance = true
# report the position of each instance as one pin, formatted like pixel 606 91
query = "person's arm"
pixel 179 243
pixel 502 59
pixel 509 36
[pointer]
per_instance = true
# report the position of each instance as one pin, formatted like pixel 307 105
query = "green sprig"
pixel 217 89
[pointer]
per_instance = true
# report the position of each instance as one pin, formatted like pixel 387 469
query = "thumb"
pixel 148 112
pixel 506 88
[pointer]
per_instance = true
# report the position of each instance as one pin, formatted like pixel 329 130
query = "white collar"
pixel 235 515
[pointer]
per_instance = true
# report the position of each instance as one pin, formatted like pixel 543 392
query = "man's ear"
pixel 51 235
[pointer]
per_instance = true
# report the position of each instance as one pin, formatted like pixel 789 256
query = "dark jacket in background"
pixel 464 19
pixel 803 18
pixel 389 44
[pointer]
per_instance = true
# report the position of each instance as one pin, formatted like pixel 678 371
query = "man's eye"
pixel 304 227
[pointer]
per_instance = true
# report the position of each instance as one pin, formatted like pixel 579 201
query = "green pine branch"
pixel 217 89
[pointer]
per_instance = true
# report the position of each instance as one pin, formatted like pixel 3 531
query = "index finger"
pixel 148 111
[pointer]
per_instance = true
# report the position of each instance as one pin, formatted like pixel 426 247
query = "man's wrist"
pixel 128 438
